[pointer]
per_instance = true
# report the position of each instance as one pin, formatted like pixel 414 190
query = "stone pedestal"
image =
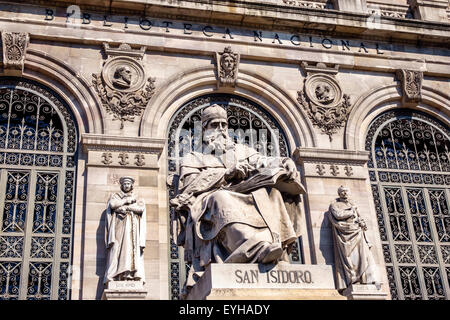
pixel 364 292
pixel 259 282
pixel 124 290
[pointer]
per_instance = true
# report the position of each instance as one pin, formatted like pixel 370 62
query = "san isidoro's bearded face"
pixel 216 134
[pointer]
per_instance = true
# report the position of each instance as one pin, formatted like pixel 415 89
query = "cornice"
pixel 264 14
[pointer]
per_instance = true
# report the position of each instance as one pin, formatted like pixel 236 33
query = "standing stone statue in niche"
pixel 230 204
pixel 354 262
pixel 125 235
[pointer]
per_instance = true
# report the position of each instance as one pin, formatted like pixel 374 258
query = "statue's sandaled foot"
pixel 272 253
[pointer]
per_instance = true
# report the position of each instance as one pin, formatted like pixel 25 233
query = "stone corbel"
pixel 227 66
pixel 411 85
pixel 430 10
pixel 350 5
pixel 14 45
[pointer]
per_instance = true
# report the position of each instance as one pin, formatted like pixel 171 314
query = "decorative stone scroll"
pixel 322 98
pixel 411 84
pixel 14 49
pixel 123 85
pixel 227 64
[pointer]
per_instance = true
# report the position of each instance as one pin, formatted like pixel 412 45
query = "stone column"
pixel 324 171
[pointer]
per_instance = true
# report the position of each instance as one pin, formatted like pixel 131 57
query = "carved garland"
pixel 122 84
pixel 326 105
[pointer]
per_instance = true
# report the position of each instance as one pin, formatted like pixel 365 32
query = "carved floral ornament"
pixel 227 63
pixel 322 98
pixel 122 85
pixel 14 48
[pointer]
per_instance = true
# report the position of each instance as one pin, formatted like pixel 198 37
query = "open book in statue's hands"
pixel 269 177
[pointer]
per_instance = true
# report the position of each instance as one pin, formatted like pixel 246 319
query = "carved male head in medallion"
pixel 324 93
pixel 323 90
pixel 124 73
pixel 122 77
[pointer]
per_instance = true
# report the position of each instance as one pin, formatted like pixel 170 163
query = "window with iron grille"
pixel 409 170
pixel 38 142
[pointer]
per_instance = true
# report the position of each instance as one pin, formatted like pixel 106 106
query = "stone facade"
pixel 322 70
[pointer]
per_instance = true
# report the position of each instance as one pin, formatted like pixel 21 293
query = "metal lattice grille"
pixel 244 117
pixel 37 171
pixel 409 169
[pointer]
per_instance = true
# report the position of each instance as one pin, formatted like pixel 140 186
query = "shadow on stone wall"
pixel 326 239
pixel 101 255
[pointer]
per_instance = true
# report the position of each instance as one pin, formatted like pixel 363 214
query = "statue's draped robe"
pixel 353 260
pixel 211 233
pixel 125 238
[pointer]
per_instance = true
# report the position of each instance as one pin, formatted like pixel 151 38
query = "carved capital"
pixel 14 49
pixel 411 84
pixel 227 63
pixel 122 85
pixel 323 100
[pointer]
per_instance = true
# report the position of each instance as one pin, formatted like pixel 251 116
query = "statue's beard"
pixel 216 140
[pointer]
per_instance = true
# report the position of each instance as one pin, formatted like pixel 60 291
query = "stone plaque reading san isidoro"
pixel 283 276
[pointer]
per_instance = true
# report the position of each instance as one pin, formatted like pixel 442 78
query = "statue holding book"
pixel 233 203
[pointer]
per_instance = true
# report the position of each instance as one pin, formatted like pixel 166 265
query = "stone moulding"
pixel 324 163
pixel 123 152
pixel 122 85
pixel 119 143
pixel 411 84
pixel 14 49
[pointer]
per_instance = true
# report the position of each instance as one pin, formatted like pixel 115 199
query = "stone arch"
pixel 184 87
pixel 381 99
pixel 70 85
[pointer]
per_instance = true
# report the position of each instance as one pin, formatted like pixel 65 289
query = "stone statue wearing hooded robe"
pixel 125 235
pixel 230 204
pixel 354 263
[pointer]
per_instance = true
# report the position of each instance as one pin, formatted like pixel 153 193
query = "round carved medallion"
pixel 124 74
pixel 323 90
